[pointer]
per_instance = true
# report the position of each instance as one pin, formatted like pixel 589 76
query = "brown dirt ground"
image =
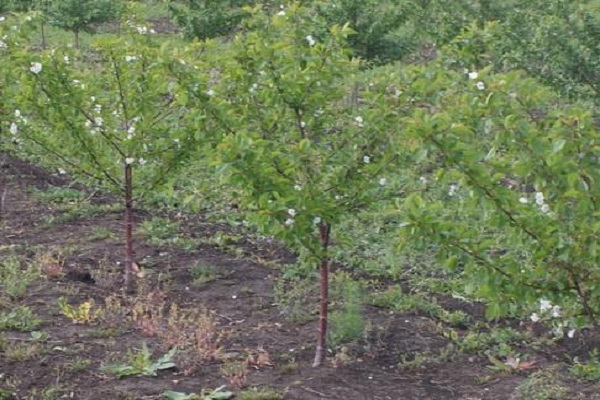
pixel 241 301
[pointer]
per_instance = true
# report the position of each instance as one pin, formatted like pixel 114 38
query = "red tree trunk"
pixel 128 281
pixel 324 231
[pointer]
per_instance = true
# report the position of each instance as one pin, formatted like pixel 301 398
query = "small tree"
pixel 300 156
pixel 123 115
pixel 206 19
pixel 83 15
pixel 514 202
pixel 376 24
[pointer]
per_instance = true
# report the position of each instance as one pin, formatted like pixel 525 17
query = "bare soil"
pixel 240 300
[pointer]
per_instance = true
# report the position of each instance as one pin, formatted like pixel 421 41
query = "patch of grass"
pixel 159 231
pixel 202 274
pixel 101 233
pixel 20 318
pixel 21 351
pixel 259 394
pixel 588 370
pixel 347 322
pixel 294 299
pixel 59 195
pixel 541 385
pixel 78 364
pixel 15 279
pixel 497 341
pixel 73 212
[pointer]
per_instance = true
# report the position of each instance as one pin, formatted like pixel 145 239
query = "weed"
pixel 416 361
pixel 589 370
pixel 347 321
pixel 289 368
pixel 50 262
pixel 20 352
pixel 541 385
pixel 292 298
pixel 139 363
pixel 207 394
pixel 195 333
pixel 236 372
pixel 82 314
pixel 21 318
pixel 159 231
pixel 14 279
pixel 202 274
pixel 496 342
pixel 101 233
pixel 59 195
pixel 81 210
pixel 78 364
pixel 259 394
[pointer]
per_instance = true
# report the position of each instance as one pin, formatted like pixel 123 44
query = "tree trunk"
pixel 76 39
pixel 324 231
pixel 128 281
pixel 43 31
pixel 3 187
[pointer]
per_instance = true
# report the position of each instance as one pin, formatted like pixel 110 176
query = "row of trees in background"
pixel 556 42
pixel 75 16
pixel 496 169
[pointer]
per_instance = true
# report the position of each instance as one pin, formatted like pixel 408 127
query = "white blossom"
pixel 253 87
pixel 289 222
pixel 545 208
pixel 545 305
pixel 480 85
pixel 359 121
pixel 555 312
pixel 291 212
pixel 281 13
pixel 14 129
pixel 382 182
pixel 142 30
pixel 539 198
pixel 2 19
pixel 98 121
pixel 311 41
pixel 423 180
pixel 297 188
pixel 302 124
pixel 141 161
pixel 452 190
pixel 130 58
pixel 534 317
pixel 36 67
pixel 66 59
pixel 366 159
pixel 571 333
pixel 3 44
pixel 93 99
pixel 523 200
pixel 210 92
pixel 17 113
pixel 61 171
pixel 129 160
pixel 319 112
pixel 317 220
pixel 473 75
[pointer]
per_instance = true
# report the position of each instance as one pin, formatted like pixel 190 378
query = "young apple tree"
pixel 106 120
pixel 516 206
pixel 300 155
